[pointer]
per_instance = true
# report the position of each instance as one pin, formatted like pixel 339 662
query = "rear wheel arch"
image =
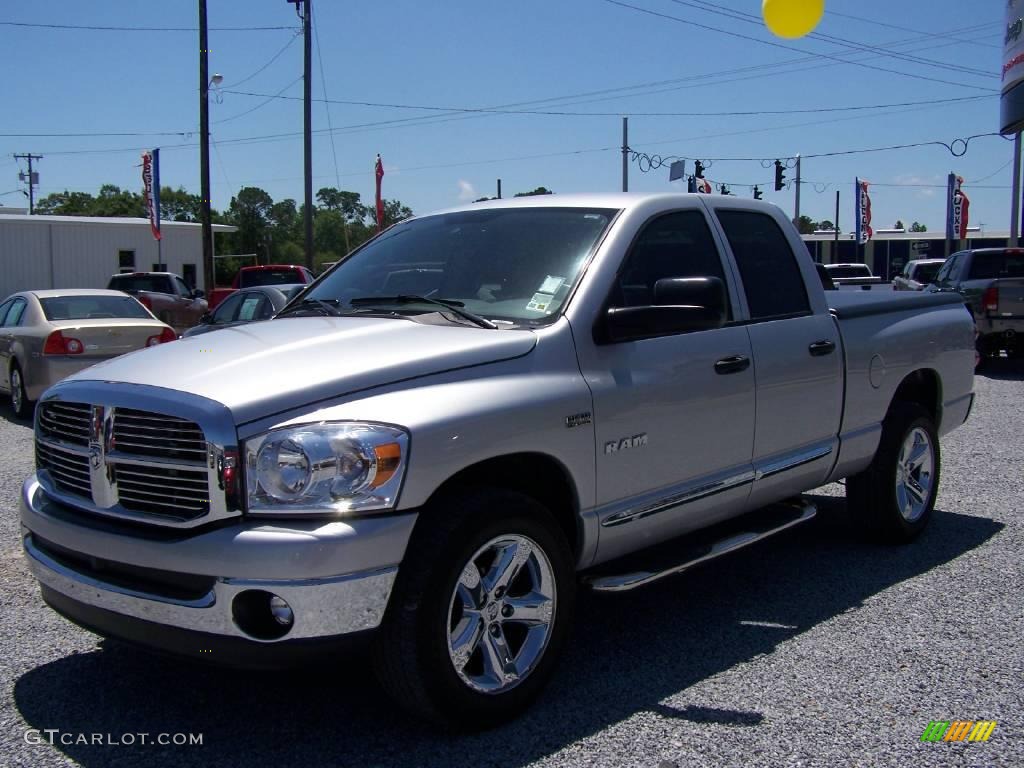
pixel 923 387
pixel 537 475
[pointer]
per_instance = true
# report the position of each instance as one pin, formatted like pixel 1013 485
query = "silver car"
pixel 917 274
pixel 47 335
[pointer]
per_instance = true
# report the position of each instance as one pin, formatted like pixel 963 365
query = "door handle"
pixel 823 347
pixel 733 364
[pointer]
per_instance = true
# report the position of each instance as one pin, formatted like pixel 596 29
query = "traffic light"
pixel 757 193
pixel 698 169
pixel 780 176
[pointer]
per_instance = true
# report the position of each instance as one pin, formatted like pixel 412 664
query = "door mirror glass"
pixel 198 293
pixel 205 319
pixel 682 305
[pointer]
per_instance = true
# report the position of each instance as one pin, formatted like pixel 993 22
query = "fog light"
pixel 281 611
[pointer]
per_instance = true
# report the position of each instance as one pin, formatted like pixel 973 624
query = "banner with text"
pixel 151 189
pixel 862 217
pixel 960 206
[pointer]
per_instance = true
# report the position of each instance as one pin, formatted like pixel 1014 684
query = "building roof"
pixel 108 220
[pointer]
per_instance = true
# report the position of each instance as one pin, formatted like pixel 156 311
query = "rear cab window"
pixel 993 265
pixel 772 281
pixel 135 283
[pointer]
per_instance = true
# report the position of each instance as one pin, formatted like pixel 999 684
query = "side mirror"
pixel 681 305
pixel 206 318
pixel 198 293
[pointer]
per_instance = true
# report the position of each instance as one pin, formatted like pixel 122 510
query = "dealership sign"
pixel 1012 100
pixel 151 189
pixel 862 216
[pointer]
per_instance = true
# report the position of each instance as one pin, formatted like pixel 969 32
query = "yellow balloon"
pixel 792 18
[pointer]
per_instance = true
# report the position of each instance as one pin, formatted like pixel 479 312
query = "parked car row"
pixel 47 335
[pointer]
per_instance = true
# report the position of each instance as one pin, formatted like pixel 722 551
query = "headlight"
pixel 318 468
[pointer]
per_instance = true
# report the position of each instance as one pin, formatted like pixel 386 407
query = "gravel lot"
pixel 811 649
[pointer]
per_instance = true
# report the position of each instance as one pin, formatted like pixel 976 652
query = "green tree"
pixel 806 225
pixel 113 201
pixel 899 224
pixel 394 212
pixel 826 224
pixel 250 212
pixel 537 191
pixel 917 227
pixel 179 205
pixel 66 204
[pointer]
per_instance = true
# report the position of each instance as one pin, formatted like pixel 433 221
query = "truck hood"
pixel 260 369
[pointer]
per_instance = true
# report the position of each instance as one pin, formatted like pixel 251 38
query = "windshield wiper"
pixel 317 306
pixel 452 305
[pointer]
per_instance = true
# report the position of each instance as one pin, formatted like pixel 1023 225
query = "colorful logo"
pixel 958 730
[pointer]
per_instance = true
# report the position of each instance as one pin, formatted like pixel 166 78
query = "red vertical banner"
pixel 380 200
pixel 961 208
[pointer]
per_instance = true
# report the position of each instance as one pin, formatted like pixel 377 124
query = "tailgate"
pixel 1011 297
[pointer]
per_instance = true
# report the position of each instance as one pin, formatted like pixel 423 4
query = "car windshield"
pixel 925 273
pixel 269 277
pixel 507 264
pixel 92 307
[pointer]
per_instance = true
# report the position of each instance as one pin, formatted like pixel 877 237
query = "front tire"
pixel 893 498
pixel 20 404
pixel 480 611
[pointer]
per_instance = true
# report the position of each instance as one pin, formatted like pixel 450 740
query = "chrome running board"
pixel 681 554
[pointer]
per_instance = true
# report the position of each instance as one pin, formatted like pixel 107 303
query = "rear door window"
pixel 14 314
pixel 772 281
pixel 226 311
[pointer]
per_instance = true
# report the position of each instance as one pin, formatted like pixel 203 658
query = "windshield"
pixel 270 277
pixel 91 307
pixel 505 264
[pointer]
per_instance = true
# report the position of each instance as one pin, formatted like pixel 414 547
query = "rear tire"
pixel 20 404
pixel 893 498
pixel 458 648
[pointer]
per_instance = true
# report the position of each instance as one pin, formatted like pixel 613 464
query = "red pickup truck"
pixel 269 274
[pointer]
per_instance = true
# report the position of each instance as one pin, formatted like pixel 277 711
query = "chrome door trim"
pixel 792 461
pixel 694 492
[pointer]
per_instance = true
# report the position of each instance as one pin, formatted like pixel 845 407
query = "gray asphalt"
pixel 811 649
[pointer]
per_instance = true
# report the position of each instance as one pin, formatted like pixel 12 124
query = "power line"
pixel 327 109
pixel 97 28
pixel 709 7
pixel 183 134
pixel 789 47
pixel 938 35
pixel 560 113
pixel 261 104
pixel 272 59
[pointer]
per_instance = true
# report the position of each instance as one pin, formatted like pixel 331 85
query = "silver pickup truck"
pixel 479 410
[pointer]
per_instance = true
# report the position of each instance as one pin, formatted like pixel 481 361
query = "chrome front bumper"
pixel 293 561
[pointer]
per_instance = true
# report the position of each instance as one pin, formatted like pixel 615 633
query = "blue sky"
pixel 533 54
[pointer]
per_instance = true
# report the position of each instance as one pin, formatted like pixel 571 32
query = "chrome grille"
pixel 68 422
pixel 178 492
pixel 70 471
pixel 143 433
pixel 134 463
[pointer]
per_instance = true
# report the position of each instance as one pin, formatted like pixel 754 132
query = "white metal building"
pixel 38 252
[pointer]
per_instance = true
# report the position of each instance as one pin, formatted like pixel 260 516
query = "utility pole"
pixel 1015 200
pixel 307 125
pixel 835 226
pixel 204 151
pixel 796 219
pixel 625 154
pixel 499 189
pixel 32 178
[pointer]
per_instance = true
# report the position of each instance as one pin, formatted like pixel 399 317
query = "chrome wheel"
pixel 17 391
pixel 501 614
pixel 914 473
